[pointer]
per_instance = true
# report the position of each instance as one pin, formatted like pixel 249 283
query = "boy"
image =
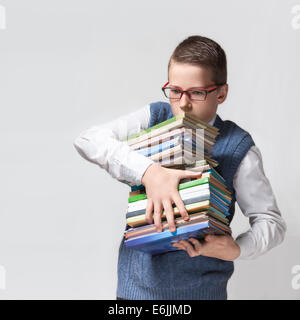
pixel 197 84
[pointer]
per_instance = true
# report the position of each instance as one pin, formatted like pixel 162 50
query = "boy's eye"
pixel 175 91
pixel 197 93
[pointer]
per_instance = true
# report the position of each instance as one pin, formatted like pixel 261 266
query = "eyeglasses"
pixel 195 94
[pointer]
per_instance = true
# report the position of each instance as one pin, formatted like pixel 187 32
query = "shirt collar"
pixel 212 121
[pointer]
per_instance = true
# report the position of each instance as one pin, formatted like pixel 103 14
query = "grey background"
pixel 67 65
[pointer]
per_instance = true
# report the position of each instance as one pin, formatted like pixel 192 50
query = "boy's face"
pixel 185 76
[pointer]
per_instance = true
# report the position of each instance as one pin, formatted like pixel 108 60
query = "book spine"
pixel 181 186
pixel 188 200
pixel 150 132
pixel 141 219
pixel 147 152
pixel 185 193
pixel 166 234
pixel 159 125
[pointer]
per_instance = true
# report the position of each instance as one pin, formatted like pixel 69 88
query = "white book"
pixel 184 194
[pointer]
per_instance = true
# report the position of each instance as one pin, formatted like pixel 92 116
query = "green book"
pixel 181 186
pixel 159 125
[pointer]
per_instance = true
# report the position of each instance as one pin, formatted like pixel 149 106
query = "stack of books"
pixel 175 143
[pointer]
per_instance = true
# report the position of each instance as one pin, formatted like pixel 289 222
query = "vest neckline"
pixel 218 122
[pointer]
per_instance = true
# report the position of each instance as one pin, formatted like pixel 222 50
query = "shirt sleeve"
pixel 104 145
pixel 256 200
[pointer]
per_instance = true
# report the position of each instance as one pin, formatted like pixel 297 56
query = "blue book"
pixel 160 242
pixel 147 152
pixel 159 147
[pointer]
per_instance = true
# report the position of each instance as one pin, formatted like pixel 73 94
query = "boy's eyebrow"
pixel 172 85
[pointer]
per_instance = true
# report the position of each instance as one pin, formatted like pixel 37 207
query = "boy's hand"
pixel 221 247
pixel 162 191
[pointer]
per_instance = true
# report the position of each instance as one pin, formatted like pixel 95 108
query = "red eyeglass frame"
pixel 182 91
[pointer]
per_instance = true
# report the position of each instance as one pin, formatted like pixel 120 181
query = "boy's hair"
pixel 203 52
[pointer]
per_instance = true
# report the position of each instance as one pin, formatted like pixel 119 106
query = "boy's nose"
pixel 185 103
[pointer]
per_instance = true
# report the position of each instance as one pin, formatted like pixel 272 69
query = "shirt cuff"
pixel 140 168
pixel 246 242
pixel 133 169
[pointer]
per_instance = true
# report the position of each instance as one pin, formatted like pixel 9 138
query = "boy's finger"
pixel 180 205
pixel 178 246
pixel 157 216
pixel 149 211
pixel 188 247
pixel 191 174
pixel 169 211
pixel 196 244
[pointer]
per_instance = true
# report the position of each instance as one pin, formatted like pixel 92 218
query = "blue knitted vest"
pixel 175 275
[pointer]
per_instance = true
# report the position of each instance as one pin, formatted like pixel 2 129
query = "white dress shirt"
pixel 104 145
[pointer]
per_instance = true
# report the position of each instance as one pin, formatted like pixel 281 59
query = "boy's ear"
pixel 222 93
